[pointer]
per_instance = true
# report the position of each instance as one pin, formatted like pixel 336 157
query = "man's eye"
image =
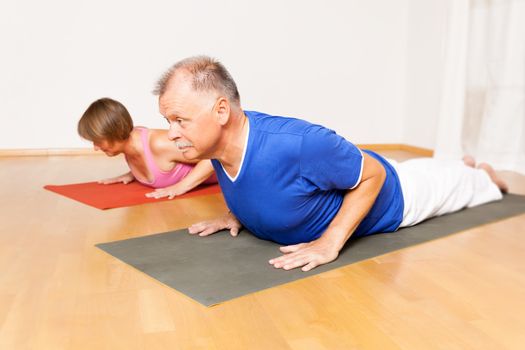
pixel 178 120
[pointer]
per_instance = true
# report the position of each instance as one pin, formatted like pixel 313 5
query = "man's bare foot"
pixel 469 161
pixel 503 187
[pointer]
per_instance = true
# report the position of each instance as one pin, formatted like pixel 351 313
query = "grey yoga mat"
pixel 219 267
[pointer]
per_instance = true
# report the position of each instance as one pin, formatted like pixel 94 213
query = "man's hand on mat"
pixel 308 255
pixel 125 179
pixel 170 192
pixel 206 228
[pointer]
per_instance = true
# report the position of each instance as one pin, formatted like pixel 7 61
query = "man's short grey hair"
pixel 207 74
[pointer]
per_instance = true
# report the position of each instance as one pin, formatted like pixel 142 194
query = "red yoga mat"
pixel 119 195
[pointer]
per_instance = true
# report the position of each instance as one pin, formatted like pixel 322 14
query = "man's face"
pixel 192 117
pixel 110 148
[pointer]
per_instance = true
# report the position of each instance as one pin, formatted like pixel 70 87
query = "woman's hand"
pixel 170 192
pixel 125 179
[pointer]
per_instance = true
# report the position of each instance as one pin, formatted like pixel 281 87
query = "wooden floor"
pixel 58 291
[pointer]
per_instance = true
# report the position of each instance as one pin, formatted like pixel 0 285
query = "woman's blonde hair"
pixel 105 119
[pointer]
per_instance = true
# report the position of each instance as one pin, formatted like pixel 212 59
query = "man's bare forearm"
pixel 356 205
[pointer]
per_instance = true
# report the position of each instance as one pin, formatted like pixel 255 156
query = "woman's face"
pixel 111 148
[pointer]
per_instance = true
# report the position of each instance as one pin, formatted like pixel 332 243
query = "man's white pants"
pixel 434 187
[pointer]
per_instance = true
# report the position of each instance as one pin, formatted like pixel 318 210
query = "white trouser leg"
pixel 434 187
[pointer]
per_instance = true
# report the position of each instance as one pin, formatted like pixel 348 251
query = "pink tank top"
pixel 160 178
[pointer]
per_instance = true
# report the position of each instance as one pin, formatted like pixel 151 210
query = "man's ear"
pixel 222 110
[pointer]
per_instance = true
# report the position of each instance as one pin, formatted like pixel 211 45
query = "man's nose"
pixel 173 132
pixel 96 148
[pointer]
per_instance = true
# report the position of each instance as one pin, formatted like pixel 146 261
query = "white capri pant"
pixel 433 187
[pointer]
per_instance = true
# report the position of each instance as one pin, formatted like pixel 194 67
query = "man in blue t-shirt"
pixel 284 179
pixel 293 177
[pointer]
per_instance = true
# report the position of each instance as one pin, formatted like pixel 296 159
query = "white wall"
pixel 425 58
pixel 339 63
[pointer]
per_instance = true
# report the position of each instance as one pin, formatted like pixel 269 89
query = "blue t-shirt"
pixel 293 178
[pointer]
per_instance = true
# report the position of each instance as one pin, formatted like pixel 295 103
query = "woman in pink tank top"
pixel 153 159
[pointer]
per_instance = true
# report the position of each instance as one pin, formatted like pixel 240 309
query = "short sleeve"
pixel 329 161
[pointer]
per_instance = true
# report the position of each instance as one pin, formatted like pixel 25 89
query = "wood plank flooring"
pixel 58 291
